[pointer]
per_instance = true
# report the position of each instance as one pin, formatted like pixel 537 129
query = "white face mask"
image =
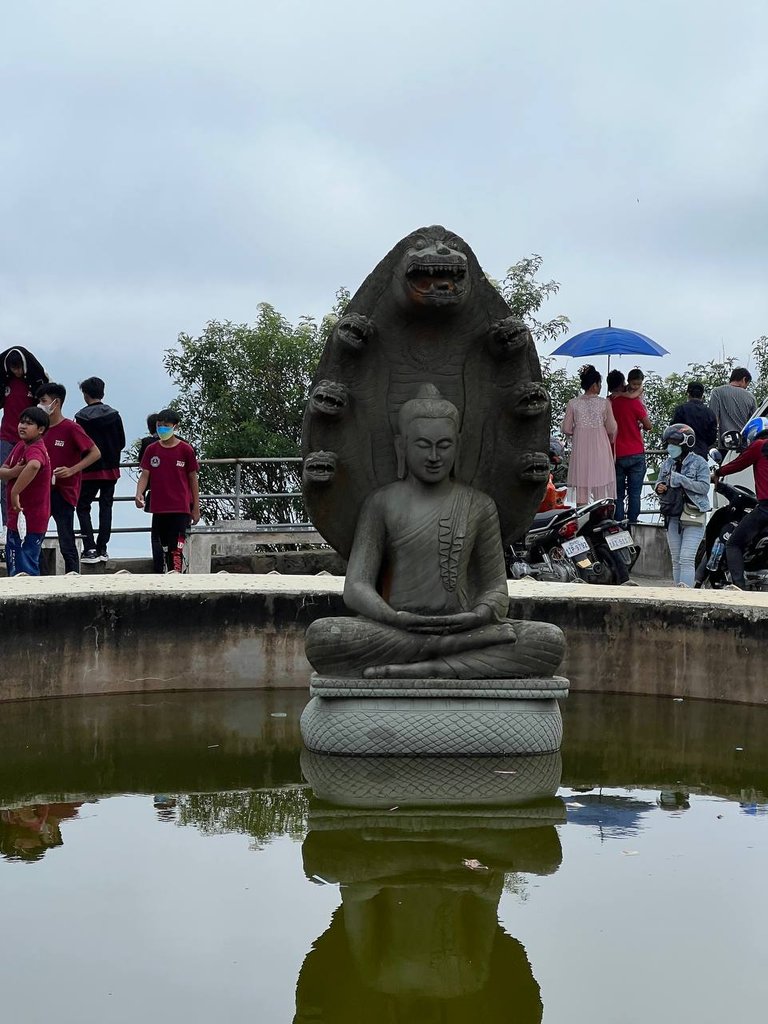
pixel 47 408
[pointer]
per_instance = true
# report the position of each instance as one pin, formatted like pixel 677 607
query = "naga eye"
pixel 452 243
pixel 419 244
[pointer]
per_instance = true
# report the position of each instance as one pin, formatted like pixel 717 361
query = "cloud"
pixel 163 164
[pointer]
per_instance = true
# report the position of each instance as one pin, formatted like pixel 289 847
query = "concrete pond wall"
pixel 121 634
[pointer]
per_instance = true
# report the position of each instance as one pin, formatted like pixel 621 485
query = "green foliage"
pixel 525 296
pixel 760 357
pixel 661 395
pixel 242 392
pixel 562 386
pixel 264 814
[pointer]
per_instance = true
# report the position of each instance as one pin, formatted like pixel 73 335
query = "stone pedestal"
pixel 433 717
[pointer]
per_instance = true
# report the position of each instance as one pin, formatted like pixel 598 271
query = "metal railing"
pixel 237 496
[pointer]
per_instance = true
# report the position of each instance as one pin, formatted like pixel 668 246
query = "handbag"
pixel 691 515
pixel 671 503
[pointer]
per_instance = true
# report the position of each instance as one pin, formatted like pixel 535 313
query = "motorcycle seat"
pixel 544 518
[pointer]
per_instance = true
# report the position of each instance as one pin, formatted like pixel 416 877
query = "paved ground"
pixel 27 587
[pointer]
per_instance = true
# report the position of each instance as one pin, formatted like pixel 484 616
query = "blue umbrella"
pixel 609 341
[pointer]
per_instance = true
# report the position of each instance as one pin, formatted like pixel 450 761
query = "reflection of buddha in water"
pixel 417 939
pixel 426 575
pixel 27 832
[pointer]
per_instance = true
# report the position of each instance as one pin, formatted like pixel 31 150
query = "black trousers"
pixel 749 527
pixel 169 535
pixel 89 489
pixel 64 516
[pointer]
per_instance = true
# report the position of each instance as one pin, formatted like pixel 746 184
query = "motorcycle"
pixel 543 555
pixel 613 549
pixel 575 545
pixel 711 565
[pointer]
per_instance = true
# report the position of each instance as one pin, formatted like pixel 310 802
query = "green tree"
pixel 525 295
pixel 242 389
pixel 760 357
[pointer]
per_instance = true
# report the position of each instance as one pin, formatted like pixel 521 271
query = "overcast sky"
pixel 164 163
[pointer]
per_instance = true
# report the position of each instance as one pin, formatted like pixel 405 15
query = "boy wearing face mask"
pixel 71 451
pixel 169 466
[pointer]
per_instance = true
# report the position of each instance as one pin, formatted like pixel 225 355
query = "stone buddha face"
pixel 430 448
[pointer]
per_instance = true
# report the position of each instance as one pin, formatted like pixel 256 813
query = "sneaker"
pixel 72 572
pixel 683 585
pixel 732 586
pixel 90 556
pixel 103 556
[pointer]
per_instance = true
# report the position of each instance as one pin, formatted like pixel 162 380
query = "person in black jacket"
pixel 697 414
pixel 104 426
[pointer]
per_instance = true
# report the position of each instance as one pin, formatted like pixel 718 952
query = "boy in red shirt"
pixel 29 467
pixel 170 467
pixel 71 451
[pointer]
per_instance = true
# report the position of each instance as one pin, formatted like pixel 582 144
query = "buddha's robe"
pixel 444 559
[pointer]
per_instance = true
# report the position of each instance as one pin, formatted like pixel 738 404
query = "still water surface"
pixel 164 859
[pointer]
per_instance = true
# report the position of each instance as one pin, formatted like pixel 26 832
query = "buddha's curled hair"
pixel 428 404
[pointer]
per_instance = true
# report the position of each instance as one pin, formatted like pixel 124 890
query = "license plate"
pixel 622 539
pixel 578 546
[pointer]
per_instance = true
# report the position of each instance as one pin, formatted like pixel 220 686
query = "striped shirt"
pixel 732 406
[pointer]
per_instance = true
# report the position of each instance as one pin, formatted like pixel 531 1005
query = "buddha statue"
pixel 426 574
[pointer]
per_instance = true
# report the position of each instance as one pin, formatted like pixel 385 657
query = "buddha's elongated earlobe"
pixel 400 449
pixel 457 452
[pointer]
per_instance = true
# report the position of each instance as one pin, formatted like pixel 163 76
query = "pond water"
pixel 163 858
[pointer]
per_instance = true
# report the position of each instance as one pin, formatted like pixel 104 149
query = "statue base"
pixel 433 717
pixel 480 788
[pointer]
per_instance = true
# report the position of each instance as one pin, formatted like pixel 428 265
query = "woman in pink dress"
pixel 589 422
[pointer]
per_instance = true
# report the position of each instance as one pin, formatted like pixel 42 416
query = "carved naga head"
pixel 433 271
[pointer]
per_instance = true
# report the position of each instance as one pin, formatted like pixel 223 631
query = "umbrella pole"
pixel 609 355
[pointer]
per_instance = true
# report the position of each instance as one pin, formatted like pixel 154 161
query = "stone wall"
pixel 654 561
pixel 120 634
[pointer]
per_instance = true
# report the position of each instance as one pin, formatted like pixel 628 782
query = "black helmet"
pixel 679 433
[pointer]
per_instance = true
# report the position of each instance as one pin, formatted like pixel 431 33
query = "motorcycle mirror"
pixel 716 455
pixel 733 441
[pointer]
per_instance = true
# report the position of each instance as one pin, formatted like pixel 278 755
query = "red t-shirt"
pixel 169 470
pixel 36 496
pixel 755 456
pixel 628 412
pixel 67 443
pixel 17 399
